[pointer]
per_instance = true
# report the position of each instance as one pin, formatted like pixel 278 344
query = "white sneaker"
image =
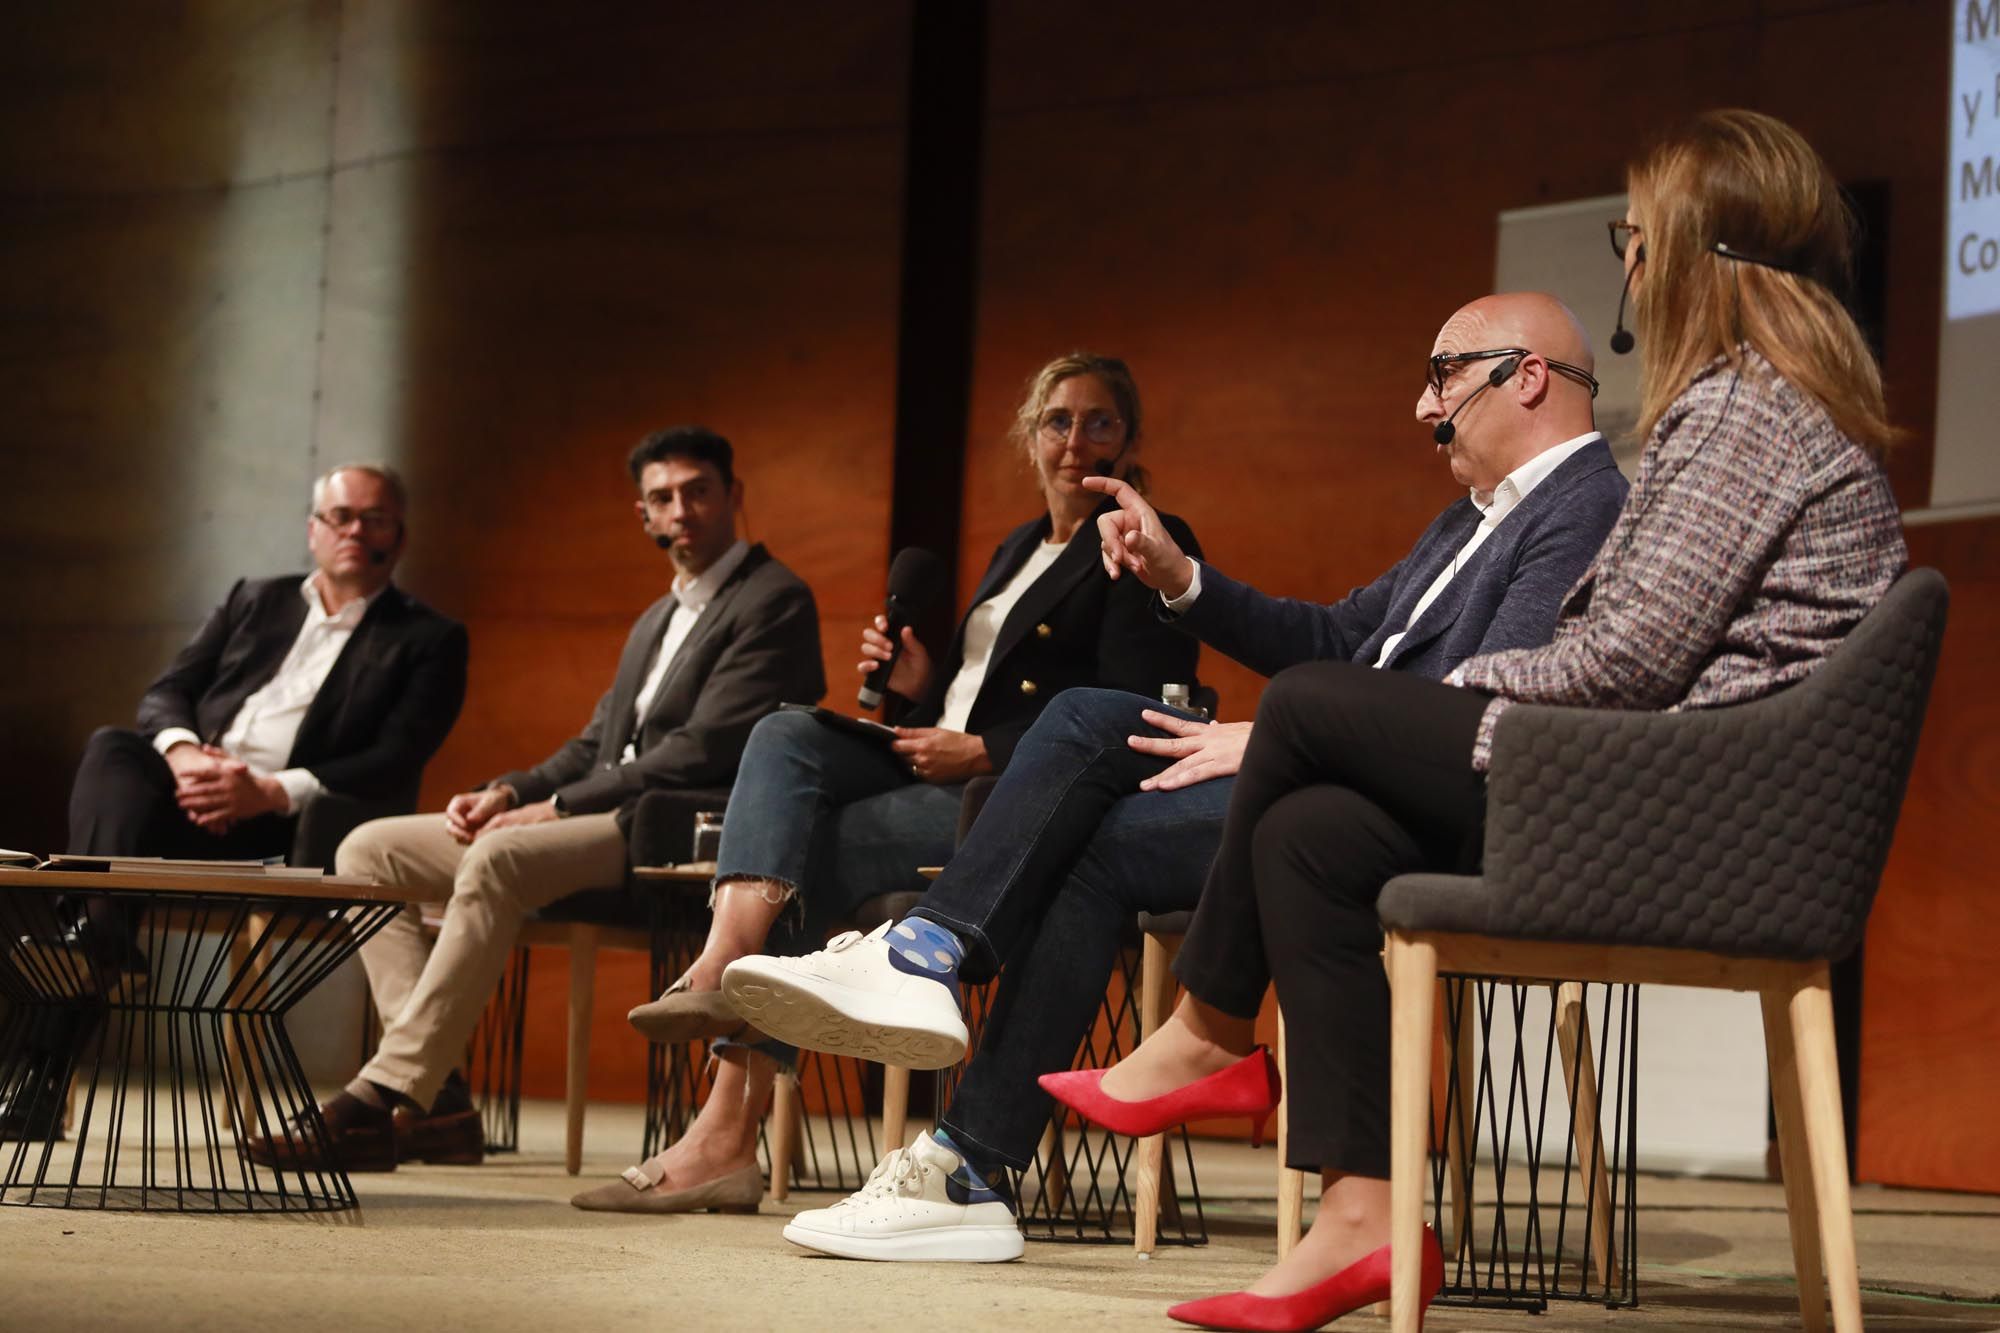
pixel 919 1203
pixel 850 999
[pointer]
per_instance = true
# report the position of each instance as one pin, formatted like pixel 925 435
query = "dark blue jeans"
pixel 834 815
pixel 1066 851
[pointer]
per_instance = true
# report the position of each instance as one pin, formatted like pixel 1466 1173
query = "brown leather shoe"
pixel 359 1137
pixel 442 1138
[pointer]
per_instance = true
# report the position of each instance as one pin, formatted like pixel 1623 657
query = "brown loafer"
pixel 451 1133
pixel 738 1192
pixel 359 1137
pixel 454 1138
pixel 690 1015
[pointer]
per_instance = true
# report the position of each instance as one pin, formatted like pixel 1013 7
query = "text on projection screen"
pixel 1967 466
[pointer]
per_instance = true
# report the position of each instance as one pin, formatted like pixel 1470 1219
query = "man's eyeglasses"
pixel 1444 362
pixel 1099 426
pixel 372 521
pixel 1622 233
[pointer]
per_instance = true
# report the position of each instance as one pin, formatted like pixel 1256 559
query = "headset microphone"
pixel 1104 467
pixel 1621 337
pixel 1445 431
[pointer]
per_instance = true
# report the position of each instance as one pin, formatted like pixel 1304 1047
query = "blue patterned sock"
pixel 925 949
pixel 966 1185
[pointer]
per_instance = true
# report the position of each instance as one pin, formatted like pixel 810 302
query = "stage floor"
pixel 497 1247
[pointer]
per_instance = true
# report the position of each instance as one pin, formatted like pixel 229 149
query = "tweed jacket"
pixel 1505 597
pixel 1756 536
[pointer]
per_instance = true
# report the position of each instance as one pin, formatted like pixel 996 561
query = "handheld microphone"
pixel 1446 431
pixel 915 579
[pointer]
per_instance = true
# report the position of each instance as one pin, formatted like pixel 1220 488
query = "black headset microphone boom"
pixel 1446 431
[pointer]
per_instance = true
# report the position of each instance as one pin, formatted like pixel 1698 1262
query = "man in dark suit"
pixel 1114 805
pixel 295 687
pixel 292 688
pixel 737 636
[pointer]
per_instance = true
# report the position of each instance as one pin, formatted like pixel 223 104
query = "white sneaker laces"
pixel 898 1173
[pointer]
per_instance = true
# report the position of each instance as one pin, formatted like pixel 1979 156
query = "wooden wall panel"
pixel 1930 1088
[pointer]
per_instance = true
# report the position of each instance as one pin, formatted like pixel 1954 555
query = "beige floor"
pixel 497 1248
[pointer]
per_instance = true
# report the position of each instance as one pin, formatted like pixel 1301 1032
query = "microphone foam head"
pixel 916 577
pixel 1621 341
pixel 1445 433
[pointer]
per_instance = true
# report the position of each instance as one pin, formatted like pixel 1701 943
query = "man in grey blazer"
pixel 737 636
pixel 1113 805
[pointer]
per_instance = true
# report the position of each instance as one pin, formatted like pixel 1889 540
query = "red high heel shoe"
pixel 1248 1087
pixel 1363 1282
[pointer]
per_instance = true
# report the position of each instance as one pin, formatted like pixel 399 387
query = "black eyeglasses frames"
pixel 1441 366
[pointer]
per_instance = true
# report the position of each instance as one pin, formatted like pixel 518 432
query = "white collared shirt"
pixel 1493 508
pixel 691 597
pixel 267 723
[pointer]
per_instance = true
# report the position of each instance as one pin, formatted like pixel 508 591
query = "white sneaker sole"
pixel 819 1015
pixel 964 1245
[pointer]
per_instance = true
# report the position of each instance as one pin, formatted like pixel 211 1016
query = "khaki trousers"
pixel 430 997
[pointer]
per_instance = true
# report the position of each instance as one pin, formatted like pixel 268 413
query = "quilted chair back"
pixel 1758 830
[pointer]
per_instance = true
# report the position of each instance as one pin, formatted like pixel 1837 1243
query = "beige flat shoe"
pixel 690 1015
pixel 738 1192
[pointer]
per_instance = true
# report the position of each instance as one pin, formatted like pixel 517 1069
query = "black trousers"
pixel 1352 777
pixel 122 804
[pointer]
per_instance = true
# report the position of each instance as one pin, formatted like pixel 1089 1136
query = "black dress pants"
pixel 122 804
pixel 1352 777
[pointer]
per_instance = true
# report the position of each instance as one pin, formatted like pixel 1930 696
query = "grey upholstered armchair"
pixel 1734 847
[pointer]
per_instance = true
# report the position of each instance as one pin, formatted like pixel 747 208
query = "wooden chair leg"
pixel 582 996
pixel 1413 993
pixel 1458 1149
pixel 1156 1001
pixel 1291 1184
pixel 1801 1208
pixel 1580 1073
pixel 1808 1001
pixel 895 1107
pixel 786 1106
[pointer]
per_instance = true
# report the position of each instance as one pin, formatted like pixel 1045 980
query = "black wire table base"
pixel 175 1069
